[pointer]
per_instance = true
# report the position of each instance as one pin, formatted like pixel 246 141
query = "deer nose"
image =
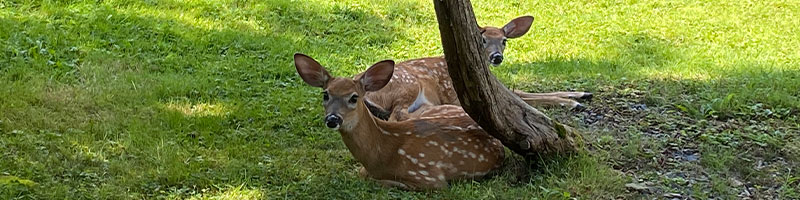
pixel 333 121
pixel 496 58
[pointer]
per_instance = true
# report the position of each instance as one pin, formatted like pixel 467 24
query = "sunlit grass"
pixel 197 110
pixel 232 193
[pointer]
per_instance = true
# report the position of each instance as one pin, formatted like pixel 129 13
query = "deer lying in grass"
pixel 392 102
pixel 440 143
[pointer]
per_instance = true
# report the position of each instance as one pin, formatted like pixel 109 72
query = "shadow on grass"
pixel 192 95
pixel 642 100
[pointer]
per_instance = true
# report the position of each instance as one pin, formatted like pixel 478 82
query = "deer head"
pixel 341 96
pixel 494 39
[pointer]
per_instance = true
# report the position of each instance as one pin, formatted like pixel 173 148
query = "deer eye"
pixel 484 40
pixel 325 96
pixel 353 99
pixel 504 41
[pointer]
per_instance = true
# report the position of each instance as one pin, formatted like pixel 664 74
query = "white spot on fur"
pixel 384 132
pixel 401 151
pixel 413 160
pixel 454 128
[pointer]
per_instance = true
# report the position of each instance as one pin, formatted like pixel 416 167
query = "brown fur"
pixel 441 143
pixel 395 98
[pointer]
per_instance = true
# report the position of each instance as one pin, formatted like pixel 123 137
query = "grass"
pixel 174 99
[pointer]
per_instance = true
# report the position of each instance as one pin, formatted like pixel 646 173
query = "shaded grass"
pixel 198 99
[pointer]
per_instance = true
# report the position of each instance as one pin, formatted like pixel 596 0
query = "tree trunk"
pixel 494 107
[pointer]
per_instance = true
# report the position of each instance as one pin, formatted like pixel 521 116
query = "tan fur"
pixel 432 74
pixel 441 143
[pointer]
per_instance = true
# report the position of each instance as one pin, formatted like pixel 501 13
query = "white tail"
pixel 421 100
pixel 439 144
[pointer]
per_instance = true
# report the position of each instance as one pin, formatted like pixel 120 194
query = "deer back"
pixel 403 88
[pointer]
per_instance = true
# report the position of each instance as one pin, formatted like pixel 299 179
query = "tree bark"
pixel 520 127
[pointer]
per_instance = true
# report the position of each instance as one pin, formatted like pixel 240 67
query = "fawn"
pixel 392 102
pixel 440 143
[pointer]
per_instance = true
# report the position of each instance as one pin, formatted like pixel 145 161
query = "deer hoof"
pixel 362 172
pixel 587 96
pixel 579 108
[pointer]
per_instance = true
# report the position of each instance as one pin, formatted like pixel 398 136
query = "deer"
pixel 392 102
pixel 439 144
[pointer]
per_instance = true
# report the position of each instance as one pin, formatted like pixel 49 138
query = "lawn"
pixel 175 99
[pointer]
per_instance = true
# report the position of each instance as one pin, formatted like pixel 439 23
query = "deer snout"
pixel 333 121
pixel 496 58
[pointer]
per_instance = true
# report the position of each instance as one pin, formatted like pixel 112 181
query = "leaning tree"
pixel 494 107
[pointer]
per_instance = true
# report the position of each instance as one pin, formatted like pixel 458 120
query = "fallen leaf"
pixel 637 187
pixel 673 195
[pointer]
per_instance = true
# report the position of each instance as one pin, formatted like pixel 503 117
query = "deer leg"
pixel 570 95
pixel 414 185
pixel 552 101
pixel 417 183
pixel 427 185
pixel 362 172
pixel 391 183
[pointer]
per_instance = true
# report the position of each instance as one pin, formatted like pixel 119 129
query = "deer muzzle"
pixel 496 58
pixel 333 121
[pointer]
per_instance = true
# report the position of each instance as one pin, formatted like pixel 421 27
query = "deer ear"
pixel 518 26
pixel 377 76
pixel 310 70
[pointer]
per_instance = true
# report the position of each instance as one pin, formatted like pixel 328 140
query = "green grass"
pixel 129 99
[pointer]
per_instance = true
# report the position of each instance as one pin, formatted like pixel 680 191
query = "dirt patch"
pixel 678 154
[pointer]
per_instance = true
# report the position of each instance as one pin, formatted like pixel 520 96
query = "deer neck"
pixel 367 139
